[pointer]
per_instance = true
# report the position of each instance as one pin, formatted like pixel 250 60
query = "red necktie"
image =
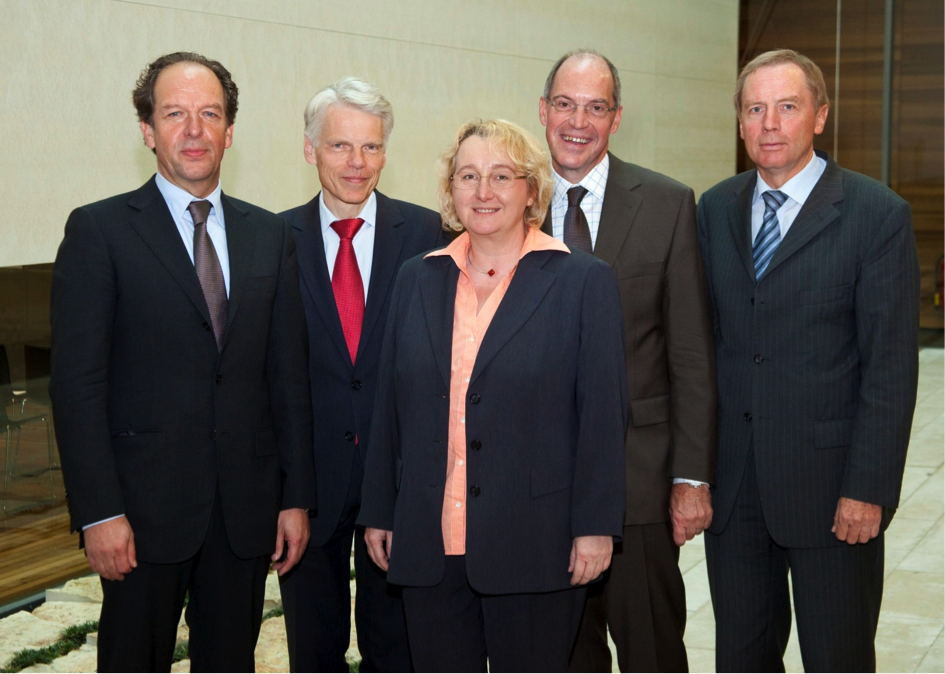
pixel 347 285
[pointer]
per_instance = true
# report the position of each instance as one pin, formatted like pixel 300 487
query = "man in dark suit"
pixel 180 389
pixel 815 284
pixel 643 225
pixel 352 241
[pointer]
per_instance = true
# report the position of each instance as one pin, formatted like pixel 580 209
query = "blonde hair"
pixel 527 158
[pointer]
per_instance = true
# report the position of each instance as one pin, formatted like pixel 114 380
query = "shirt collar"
pixel 178 199
pixel 594 182
pixel 535 240
pixel 368 212
pixel 800 186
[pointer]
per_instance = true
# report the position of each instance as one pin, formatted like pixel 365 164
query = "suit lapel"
pixel 388 242
pixel 529 285
pixel 316 281
pixel 620 208
pixel 241 247
pixel 739 220
pixel 438 294
pixel 155 225
pixel 817 212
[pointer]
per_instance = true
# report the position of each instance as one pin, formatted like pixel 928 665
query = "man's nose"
pixel 579 118
pixel 771 120
pixel 194 125
pixel 356 158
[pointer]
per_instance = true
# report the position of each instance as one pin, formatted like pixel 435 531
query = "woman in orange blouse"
pixel 497 456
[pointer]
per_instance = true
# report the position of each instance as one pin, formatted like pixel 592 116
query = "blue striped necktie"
pixel 769 237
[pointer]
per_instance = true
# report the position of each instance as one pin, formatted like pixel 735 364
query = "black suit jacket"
pixel 545 421
pixel 342 393
pixel 647 234
pixel 150 417
pixel 817 362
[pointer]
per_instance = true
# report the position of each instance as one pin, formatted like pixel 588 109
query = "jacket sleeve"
pixel 690 353
pixel 599 487
pixel 82 312
pixel 887 322
pixel 290 393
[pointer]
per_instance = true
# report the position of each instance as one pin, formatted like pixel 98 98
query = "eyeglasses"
pixel 565 107
pixel 500 180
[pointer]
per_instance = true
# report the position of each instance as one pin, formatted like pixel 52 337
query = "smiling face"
pixel 349 155
pixel 486 211
pixel 189 131
pixel 778 121
pixel 578 141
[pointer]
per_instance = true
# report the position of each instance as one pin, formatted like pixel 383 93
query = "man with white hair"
pixel 351 241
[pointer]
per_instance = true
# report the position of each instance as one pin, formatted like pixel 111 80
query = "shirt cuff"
pixel 691 483
pixel 107 519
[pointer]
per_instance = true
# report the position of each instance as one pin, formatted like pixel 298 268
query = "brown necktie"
pixel 208 269
pixel 576 232
pixel 347 285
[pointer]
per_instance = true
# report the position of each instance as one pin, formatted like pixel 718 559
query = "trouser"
pixel 643 601
pixel 316 597
pixel 453 628
pixel 138 625
pixel 837 595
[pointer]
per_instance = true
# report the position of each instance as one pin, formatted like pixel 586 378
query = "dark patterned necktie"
pixel 769 236
pixel 576 232
pixel 208 269
pixel 347 285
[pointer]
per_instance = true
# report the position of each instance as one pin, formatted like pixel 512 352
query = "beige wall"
pixel 68 133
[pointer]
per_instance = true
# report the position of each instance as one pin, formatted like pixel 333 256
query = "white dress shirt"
pixel 363 241
pixel 594 182
pixel 797 190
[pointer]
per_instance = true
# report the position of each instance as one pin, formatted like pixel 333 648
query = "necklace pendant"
pixel 491 272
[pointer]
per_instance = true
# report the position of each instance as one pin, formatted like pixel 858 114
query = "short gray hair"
pixel 550 81
pixel 350 92
pixel 777 57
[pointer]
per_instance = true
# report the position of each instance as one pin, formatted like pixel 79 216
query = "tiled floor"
pixel 910 634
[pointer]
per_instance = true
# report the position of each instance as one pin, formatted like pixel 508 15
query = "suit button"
pixel 349 436
pixel 356 385
pixel 219 379
pixel 206 326
pixel 474 398
pixel 759 358
pixel 752 301
pixel 747 416
pixel 474 490
pixel 475 445
pixel 213 435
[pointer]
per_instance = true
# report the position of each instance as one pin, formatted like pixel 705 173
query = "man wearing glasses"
pixel 643 225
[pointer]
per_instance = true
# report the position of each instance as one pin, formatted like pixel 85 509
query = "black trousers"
pixel 643 601
pixel 316 598
pixel 837 594
pixel 453 628
pixel 138 626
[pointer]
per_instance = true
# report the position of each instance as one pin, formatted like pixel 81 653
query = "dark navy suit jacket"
pixel 545 423
pixel 342 393
pixel 817 361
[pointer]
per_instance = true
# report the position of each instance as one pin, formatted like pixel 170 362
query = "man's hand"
pixel 110 548
pixel 379 544
pixel 590 557
pixel 690 509
pixel 856 521
pixel 293 532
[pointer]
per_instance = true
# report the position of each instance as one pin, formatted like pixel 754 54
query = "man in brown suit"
pixel 643 224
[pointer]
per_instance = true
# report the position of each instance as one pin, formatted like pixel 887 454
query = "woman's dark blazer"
pixel 546 414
